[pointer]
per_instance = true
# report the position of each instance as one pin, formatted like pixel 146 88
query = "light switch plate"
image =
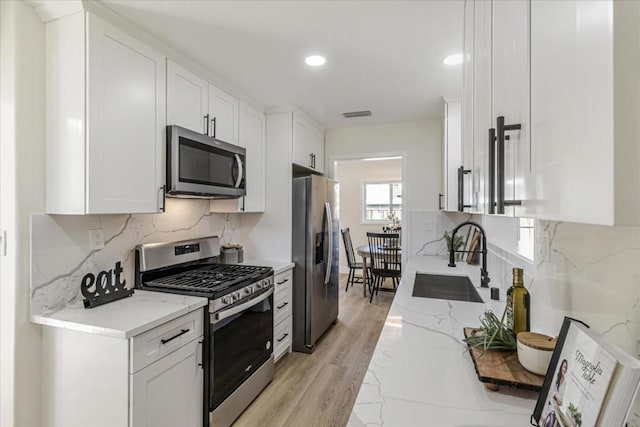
pixel 428 225
pixel 96 239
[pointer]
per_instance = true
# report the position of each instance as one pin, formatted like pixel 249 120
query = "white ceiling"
pixel 383 56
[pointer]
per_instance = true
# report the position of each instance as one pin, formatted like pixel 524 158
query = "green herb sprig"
pixel 493 334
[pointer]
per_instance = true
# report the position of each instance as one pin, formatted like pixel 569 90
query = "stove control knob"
pixel 258 285
pixel 267 283
pixel 235 296
pixel 226 300
pixel 248 290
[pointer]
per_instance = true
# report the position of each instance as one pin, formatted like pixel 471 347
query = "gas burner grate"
pixel 212 278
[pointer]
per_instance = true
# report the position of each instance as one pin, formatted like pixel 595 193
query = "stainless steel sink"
pixel 457 288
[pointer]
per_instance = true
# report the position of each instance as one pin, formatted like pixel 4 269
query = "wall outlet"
pixel 96 239
pixel 428 225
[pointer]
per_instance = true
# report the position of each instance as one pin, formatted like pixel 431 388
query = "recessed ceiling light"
pixel 315 60
pixel 454 59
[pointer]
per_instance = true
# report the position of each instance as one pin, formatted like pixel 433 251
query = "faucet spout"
pixel 484 274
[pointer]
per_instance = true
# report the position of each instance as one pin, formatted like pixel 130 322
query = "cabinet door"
pixel 572 105
pixel 126 122
pixel 510 86
pixel 452 151
pixel 308 144
pixel 467 107
pixel 316 144
pixel 482 103
pixel 168 393
pixel 252 137
pixel 223 115
pixel 187 99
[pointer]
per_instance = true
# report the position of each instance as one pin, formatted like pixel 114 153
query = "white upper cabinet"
pixel 105 119
pixel 223 115
pixel 308 143
pixel 196 104
pixel 511 108
pixel 252 138
pixel 187 99
pixel 466 162
pixel 452 151
pixel 481 104
pixel 585 106
pixel 495 102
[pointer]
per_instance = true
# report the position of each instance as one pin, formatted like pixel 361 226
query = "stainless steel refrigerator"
pixel 315 254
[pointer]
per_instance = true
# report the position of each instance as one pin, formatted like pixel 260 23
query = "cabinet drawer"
pixel 282 306
pixel 152 345
pixel 283 281
pixel 282 337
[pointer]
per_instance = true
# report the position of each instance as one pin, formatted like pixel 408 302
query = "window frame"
pixel 363 201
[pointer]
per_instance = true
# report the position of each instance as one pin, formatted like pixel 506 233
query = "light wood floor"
pixel 320 389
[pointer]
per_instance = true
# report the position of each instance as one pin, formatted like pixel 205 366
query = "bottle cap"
pixel 518 272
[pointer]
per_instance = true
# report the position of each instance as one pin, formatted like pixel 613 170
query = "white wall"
pixel 420 141
pixel 420 144
pixel 21 193
pixel 352 174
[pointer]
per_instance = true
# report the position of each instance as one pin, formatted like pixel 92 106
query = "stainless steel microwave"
pixel 203 167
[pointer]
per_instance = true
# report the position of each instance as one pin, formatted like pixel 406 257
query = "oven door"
pixel 242 338
pixel 199 165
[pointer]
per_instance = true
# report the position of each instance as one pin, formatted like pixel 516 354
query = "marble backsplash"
pixel 60 254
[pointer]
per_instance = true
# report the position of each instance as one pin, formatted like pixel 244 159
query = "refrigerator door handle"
pixel 327 276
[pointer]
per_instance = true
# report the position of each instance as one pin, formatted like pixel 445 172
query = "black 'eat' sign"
pixel 106 287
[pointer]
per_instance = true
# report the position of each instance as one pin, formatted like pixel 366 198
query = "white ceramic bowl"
pixel 533 356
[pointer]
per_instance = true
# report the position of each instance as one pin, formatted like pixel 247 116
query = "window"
pixel 526 237
pixel 382 201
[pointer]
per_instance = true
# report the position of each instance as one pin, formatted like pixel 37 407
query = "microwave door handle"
pixel 240 171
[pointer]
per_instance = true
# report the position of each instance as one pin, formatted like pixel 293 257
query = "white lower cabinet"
pixel 154 379
pixel 282 315
pixel 168 393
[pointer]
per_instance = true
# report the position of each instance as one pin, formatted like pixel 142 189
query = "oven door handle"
pixel 223 314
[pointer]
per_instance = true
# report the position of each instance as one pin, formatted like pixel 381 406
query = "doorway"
pixel 370 198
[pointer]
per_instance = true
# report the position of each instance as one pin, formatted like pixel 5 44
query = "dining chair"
pixel 351 259
pixel 385 260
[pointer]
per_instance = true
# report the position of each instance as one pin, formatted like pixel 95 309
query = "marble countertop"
pixel 124 318
pixel 420 373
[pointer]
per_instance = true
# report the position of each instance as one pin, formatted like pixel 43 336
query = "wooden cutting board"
pixel 496 368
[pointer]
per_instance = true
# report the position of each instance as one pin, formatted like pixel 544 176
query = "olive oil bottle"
pixel 518 304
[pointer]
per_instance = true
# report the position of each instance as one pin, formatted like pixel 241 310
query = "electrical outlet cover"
pixel 96 239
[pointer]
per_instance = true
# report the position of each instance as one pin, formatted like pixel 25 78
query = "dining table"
pixel 366 252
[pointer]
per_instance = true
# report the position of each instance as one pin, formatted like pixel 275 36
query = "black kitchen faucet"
pixel 484 274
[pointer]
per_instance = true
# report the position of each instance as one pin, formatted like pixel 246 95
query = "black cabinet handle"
pixel 214 126
pixel 282 338
pixel 284 281
pixel 182 332
pixel 440 196
pixel 206 124
pixel 283 305
pixel 492 171
pixel 461 173
pixel 163 192
pixel 501 129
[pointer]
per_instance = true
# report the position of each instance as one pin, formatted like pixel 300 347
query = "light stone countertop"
pixel 420 373
pixel 124 318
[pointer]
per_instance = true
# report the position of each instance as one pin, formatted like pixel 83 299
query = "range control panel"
pixel 187 249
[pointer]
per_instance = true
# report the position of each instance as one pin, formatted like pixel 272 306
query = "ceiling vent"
pixel 352 114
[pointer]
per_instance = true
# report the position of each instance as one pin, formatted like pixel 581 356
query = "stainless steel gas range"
pixel 238 348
